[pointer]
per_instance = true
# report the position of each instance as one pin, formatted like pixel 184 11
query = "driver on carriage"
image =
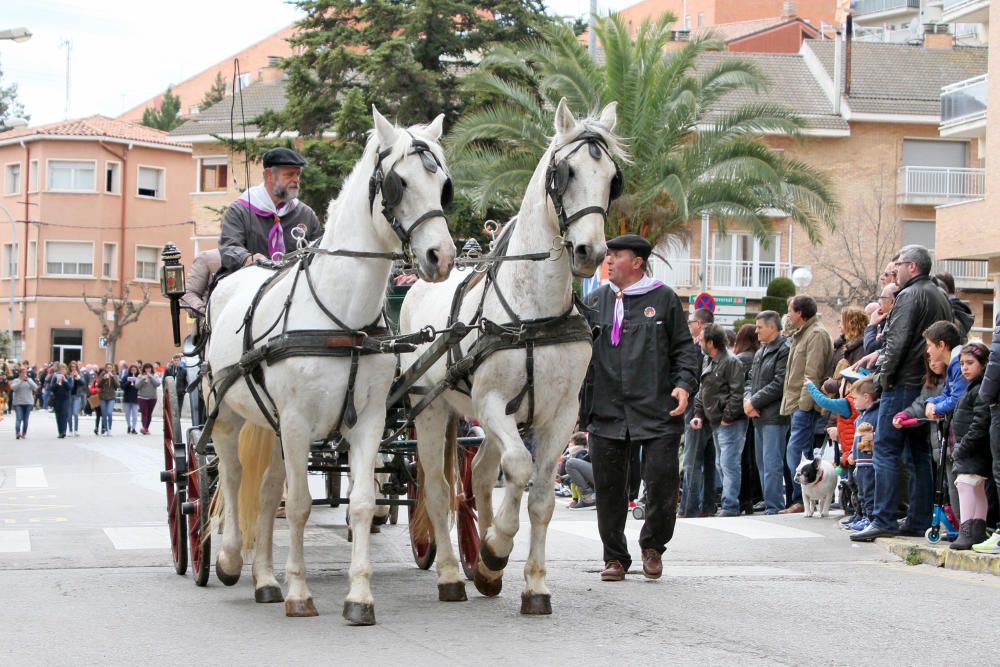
pixel 259 224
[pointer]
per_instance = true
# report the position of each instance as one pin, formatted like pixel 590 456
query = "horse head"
pixel 582 179
pixel 411 186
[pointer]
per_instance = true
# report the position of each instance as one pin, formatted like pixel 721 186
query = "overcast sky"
pixel 126 51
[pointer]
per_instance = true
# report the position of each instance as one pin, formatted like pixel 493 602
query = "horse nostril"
pixel 432 257
pixel 582 251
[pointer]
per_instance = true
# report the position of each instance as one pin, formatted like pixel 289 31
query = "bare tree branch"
pixel 124 311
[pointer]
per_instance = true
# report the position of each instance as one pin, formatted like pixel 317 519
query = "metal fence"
pixel 945 183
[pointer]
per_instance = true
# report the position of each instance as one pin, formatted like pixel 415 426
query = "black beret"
pixel 283 157
pixel 640 246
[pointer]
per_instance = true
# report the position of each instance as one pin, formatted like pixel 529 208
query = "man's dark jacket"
pixel 767 380
pixel 919 304
pixel 245 233
pixel 629 385
pixel 989 392
pixel 720 397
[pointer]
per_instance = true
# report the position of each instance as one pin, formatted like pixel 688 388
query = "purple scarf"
pixel 260 204
pixel 642 286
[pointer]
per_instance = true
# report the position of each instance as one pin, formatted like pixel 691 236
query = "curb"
pixel 939 555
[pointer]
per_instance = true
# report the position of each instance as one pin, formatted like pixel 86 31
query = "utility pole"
pixel 69 50
pixel 592 47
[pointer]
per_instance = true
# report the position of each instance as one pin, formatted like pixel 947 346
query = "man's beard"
pixel 284 193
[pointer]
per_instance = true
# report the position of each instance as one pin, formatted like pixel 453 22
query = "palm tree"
pixel 689 153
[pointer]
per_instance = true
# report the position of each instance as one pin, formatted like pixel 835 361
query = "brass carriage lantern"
pixel 172 285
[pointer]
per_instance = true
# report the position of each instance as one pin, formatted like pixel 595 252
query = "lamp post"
pixel 172 286
pixel 802 277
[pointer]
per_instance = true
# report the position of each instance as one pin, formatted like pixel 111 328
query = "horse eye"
pixel 402 182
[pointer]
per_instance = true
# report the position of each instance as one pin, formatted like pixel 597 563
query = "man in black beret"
pixel 642 373
pixel 259 224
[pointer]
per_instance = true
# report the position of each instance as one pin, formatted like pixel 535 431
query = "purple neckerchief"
pixel 276 235
pixel 642 286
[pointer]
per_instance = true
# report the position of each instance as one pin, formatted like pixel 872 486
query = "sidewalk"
pixel 917 550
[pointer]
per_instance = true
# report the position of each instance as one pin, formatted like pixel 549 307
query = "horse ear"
pixel 609 116
pixel 385 130
pixel 436 128
pixel 565 122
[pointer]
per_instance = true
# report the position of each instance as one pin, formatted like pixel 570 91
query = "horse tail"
pixel 256 445
pixel 421 527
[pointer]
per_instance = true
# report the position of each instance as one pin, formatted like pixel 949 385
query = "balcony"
pixel 965 11
pixel 872 10
pixel 748 279
pixel 969 274
pixel 963 108
pixel 934 186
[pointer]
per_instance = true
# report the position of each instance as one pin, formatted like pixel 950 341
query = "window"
pixel 109 260
pixel 194 110
pixel 72 176
pixel 9 267
pixel 243 80
pixel 919 232
pixel 741 261
pixel 113 178
pixel 151 182
pixel 33 176
pixel 32 259
pixel 69 258
pixel 12 178
pixel 213 172
pixel 701 19
pixel 687 22
pixel 147 263
pixel 925 153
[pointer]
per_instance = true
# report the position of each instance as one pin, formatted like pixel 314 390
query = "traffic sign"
pixel 102 342
pixel 724 300
pixel 704 300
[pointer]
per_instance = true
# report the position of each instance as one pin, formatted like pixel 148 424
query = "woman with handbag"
pixel 147 384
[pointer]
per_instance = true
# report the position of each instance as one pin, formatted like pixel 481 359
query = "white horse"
pixel 394 194
pixel 579 169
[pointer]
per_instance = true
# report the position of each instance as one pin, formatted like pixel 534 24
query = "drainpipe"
pixel 121 237
pixel 847 65
pixel 24 264
pixel 838 72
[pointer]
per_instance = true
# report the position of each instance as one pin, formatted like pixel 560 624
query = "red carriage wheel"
pixel 468 530
pixel 173 475
pixel 424 549
pixel 199 519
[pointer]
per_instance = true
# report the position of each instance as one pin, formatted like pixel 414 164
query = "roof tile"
pixel 92 126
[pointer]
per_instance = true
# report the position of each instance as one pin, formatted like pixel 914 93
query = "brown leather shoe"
pixel 613 571
pixel 797 508
pixel 652 564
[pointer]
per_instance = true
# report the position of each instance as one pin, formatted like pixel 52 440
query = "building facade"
pixel 91 203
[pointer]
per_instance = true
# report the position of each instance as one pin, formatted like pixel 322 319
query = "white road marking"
pixel 139 537
pixel 754 529
pixel 670 570
pixel 586 529
pixel 14 541
pixel 30 478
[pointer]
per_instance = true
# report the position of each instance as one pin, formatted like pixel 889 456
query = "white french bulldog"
pixel 818 480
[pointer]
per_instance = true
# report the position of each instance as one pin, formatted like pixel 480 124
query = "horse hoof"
pixel 491 560
pixel 488 587
pixel 375 529
pixel 268 594
pixel 452 592
pixel 536 604
pixel 300 608
pixel 226 579
pixel 359 613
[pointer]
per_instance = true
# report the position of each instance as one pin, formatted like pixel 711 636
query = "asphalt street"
pixel 86 579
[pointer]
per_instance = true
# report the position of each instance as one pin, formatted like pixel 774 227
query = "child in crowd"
pixel 973 462
pixel 866 402
pixel 837 399
pixel 944 343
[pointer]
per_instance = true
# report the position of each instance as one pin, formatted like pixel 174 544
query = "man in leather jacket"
pixel 919 304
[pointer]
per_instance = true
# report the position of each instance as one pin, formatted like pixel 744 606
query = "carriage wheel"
pixel 173 475
pixel 424 549
pixel 468 530
pixel 199 518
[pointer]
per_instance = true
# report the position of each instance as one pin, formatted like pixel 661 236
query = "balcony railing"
pixel 932 186
pixel 964 101
pixel 740 277
pixel 865 7
pixel 968 273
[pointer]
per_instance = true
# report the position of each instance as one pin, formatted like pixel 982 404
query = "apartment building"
pixel 876 133
pixel 970 110
pixel 901 21
pixel 90 204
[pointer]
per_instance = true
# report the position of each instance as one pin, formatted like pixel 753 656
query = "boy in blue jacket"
pixel 944 343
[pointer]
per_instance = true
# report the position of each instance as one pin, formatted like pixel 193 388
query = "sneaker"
pixel 571 505
pixel 990 546
pixel 588 503
pixel 860 524
pixel 724 513
pixel 849 520
pixel 563 491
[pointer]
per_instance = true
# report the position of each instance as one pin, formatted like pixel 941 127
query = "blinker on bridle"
pixel 392 187
pixel 559 173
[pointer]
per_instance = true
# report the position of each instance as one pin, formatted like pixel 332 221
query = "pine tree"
pixel 167 117
pixel 404 56
pixel 214 94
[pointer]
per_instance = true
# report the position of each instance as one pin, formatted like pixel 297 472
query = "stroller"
pixel 944 516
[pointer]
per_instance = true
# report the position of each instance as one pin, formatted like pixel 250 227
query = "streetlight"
pixel 21 34
pixel 802 277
